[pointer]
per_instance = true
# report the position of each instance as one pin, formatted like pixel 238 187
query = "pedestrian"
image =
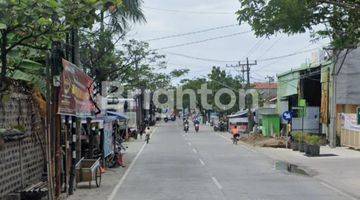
pixel 141 134
pixel 147 134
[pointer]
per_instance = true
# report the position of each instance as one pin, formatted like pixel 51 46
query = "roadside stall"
pixel 121 127
pixel 239 119
pixel 101 138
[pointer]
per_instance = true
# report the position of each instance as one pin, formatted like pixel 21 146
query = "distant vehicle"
pixel 197 127
pixel 216 127
pixel 186 128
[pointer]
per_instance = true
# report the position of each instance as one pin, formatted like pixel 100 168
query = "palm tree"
pixel 129 11
pixel 98 46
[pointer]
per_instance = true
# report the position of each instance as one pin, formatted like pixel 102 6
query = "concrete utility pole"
pixel 271 80
pixel 247 87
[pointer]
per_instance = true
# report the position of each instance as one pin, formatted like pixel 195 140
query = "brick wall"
pixel 22 161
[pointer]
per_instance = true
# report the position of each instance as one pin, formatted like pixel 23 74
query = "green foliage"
pixel 339 20
pixel 299 136
pixel 135 64
pixel 28 28
pixel 28 25
pixel 216 80
pixel 19 128
pixel 179 72
pixel 313 140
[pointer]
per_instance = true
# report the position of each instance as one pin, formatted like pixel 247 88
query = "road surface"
pixel 206 166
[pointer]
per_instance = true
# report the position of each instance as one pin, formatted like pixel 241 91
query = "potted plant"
pixel 294 142
pixel 313 148
pixel 301 142
pixel 306 142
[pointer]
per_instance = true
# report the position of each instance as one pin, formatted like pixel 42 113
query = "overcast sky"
pixel 169 17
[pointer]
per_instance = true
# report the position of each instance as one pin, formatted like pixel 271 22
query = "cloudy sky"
pixel 226 41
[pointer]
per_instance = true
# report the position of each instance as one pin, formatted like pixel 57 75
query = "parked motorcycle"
pixel 216 127
pixel 117 159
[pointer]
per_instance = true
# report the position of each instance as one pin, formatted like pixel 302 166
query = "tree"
pixel 31 26
pixel 215 80
pixel 98 46
pixel 339 20
pixel 220 79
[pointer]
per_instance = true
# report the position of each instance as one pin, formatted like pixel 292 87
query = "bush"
pixel 314 140
pixel 299 137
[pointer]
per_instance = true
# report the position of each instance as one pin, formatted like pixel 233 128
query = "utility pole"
pixel 271 79
pixel 248 101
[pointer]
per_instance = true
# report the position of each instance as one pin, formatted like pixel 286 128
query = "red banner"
pixel 75 90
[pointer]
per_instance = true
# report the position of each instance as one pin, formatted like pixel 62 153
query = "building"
pixel 330 97
pixel 266 90
pixel 344 100
pixel 299 91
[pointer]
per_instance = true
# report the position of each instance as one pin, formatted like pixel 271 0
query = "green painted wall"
pixel 270 125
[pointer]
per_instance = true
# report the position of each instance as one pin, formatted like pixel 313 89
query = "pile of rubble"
pixel 261 141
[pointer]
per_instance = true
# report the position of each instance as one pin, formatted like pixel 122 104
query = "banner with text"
pixel 75 90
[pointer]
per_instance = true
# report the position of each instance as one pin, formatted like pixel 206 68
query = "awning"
pixel 240 114
pixel 118 115
pixel 101 119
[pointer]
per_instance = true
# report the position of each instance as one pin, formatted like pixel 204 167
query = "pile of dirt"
pixel 252 138
pixel 261 141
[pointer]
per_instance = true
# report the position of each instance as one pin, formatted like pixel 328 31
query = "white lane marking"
pixel 194 150
pixel 337 190
pixel 120 183
pixel 201 161
pixel 216 183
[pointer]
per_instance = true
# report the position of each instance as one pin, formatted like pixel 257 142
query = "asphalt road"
pixel 206 166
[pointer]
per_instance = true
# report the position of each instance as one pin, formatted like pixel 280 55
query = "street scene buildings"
pixel 179 100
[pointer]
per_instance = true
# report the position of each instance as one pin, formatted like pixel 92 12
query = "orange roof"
pixel 265 86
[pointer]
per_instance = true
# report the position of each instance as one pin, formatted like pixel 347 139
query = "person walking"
pixel 141 134
pixel 147 134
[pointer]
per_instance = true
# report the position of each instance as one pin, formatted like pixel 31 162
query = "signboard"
pixel 75 90
pixel 108 139
pixel 358 115
pixel 350 121
pixel 287 115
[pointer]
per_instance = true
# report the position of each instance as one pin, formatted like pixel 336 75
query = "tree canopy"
pixel 215 80
pixel 338 20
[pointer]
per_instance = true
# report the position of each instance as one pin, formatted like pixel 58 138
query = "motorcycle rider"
pixel 186 125
pixel 196 124
pixel 235 133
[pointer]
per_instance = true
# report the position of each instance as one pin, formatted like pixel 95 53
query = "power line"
pixel 268 49
pixel 202 59
pixel 287 55
pixel 202 41
pixel 255 46
pixel 227 61
pixel 189 11
pixel 192 33
pixel 278 60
